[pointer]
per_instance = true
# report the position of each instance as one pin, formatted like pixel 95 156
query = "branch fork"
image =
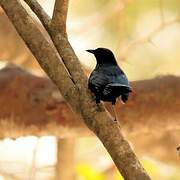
pixel 63 67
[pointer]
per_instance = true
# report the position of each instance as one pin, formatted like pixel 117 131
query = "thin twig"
pixel 32 169
pixel 162 16
pixel 146 39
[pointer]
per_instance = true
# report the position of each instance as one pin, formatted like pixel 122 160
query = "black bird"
pixel 107 81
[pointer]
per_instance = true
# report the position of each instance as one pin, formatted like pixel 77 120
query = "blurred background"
pixel 145 37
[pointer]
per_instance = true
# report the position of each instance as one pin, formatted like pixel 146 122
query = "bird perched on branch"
pixel 107 81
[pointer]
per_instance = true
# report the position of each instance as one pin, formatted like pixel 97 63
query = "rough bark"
pixel 58 33
pixel 95 117
pixel 44 18
pixel 58 22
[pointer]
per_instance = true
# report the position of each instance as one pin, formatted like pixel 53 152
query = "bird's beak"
pixel 90 51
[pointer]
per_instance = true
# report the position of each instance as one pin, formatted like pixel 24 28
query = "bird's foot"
pixel 97 101
pixel 178 149
pixel 115 120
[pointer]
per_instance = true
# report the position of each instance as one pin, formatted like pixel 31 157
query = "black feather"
pixel 107 81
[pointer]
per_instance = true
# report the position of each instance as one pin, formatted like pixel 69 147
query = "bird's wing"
pixel 118 82
pixel 115 75
pixel 97 81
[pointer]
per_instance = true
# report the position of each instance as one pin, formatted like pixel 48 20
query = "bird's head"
pixel 103 56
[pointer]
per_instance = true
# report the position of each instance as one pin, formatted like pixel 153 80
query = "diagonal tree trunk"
pixel 65 71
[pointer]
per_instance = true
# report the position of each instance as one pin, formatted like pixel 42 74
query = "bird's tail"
pixel 122 87
pixel 116 88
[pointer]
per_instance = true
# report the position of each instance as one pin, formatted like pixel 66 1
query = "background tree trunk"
pixel 65 168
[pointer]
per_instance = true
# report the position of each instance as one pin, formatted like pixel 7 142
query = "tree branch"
pixel 58 22
pixel 58 34
pixel 94 116
pixel 65 50
pixel 148 38
pixel 46 55
pixel 39 11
